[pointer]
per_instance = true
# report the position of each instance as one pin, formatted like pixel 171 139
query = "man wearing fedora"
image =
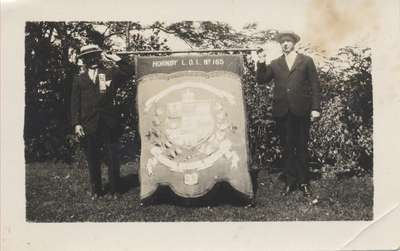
pixel 94 116
pixel 296 102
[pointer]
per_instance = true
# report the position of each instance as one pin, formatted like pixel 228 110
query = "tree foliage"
pixel 341 139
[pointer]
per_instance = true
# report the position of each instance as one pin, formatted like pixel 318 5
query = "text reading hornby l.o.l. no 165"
pixel 187 62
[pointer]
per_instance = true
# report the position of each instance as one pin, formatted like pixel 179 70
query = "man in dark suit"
pixel 95 117
pixel 296 102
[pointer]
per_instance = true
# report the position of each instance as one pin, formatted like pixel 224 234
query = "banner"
pixel 192 124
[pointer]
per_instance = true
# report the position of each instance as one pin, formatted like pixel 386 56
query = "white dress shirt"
pixel 92 74
pixel 290 58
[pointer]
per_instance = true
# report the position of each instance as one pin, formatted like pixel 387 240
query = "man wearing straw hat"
pixel 94 116
pixel 296 102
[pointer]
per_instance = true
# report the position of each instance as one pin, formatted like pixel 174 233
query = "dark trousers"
pixel 103 139
pixel 294 131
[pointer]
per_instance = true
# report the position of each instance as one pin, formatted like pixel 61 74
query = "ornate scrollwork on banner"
pixel 190 134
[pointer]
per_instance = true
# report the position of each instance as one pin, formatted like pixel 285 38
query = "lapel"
pixel 88 84
pixel 86 78
pixel 283 64
pixel 297 62
pixel 99 71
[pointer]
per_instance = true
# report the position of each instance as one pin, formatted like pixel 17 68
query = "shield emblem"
pixel 189 122
pixel 192 124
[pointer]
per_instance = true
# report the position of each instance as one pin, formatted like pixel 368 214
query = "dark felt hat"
pixel 294 36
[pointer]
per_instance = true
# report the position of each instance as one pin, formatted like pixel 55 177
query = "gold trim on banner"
pixel 199 85
pixel 223 151
pixel 168 76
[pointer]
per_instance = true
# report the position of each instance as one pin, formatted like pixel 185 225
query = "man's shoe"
pixel 306 189
pixel 251 204
pixel 287 190
pixel 95 196
pixel 111 196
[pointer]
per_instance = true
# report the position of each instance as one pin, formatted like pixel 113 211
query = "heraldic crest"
pixel 192 130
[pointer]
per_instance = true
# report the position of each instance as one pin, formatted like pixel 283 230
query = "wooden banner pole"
pixel 187 51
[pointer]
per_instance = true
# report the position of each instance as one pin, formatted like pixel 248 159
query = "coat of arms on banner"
pixel 190 133
pixel 189 122
pixel 192 124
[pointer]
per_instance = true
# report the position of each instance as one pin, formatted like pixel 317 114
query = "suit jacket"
pixel 88 105
pixel 296 90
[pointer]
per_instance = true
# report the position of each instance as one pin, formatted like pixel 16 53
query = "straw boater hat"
pixel 280 35
pixel 89 49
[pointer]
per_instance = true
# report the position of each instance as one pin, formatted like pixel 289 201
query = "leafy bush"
pixel 340 141
pixel 263 141
pixel 342 138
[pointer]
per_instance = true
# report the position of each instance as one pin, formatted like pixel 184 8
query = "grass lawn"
pixel 58 193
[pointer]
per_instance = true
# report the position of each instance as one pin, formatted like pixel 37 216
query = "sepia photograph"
pixel 194 121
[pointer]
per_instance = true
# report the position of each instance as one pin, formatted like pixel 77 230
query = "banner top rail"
pixel 187 51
